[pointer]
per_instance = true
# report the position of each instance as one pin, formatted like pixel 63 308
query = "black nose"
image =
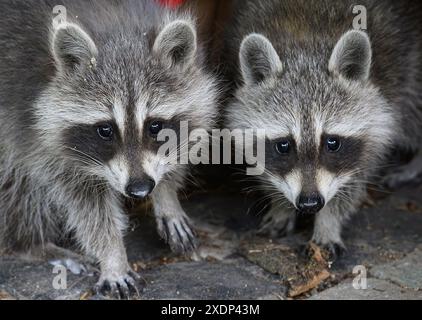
pixel 310 204
pixel 139 189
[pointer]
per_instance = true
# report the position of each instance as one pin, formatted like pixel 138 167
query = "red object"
pixel 171 3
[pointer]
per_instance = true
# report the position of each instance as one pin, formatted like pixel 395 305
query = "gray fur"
pixel 177 43
pixel 364 87
pixel 258 59
pixel 109 63
pixel 352 56
pixel 72 47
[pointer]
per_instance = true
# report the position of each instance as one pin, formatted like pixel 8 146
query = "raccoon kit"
pixel 81 105
pixel 333 101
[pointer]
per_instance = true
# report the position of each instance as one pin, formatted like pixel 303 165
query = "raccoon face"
pixel 111 98
pixel 326 124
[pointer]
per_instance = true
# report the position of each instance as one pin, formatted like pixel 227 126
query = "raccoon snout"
pixel 139 189
pixel 310 203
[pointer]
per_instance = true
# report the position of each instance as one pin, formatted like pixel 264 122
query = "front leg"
pixel 173 224
pixel 99 230
pixel 406 174
pixel 278 222
pixel 327 230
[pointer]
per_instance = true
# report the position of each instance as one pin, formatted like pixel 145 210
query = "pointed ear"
pixel 72 48
pixel 176 44
pixel 258 59
pixel 352 56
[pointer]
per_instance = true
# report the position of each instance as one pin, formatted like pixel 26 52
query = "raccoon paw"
pixel 118 287
pixel 73 266
pixel 403 175
pixel 277 224
pixel 72 261
pixel 335 250
pixel 178 233
pixel 332 251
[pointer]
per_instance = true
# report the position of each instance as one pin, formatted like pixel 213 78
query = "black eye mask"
pixel 87 143
pixel 281 155
pixel 345 157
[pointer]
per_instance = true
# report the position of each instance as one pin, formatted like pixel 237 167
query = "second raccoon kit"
pixel 333 101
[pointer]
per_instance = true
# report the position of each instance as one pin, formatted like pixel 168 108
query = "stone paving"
pixel 234 263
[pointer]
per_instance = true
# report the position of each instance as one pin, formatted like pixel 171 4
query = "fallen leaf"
pixel 410 207
pixel 311 284
pixel 300 274
pixel 6 296
pixel 317 254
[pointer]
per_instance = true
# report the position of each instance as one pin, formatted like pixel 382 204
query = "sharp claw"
pixel 123 289
pixel 181 238
pixel 97 290
pixel 166 231
pixel 188 223
pixel 178 233
pixel 106 286
pixel 134 275
pixel 189 232
pixel 120 289
pixel 193 243
pixel 171 237
pixel 160 228
pixel 130 282
pixel 132 285
pixel 114 290
pixel 188 240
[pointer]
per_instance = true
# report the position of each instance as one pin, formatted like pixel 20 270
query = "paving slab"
pixel 228 280
pixel 406 272
pixel 234 263
pixel 377 290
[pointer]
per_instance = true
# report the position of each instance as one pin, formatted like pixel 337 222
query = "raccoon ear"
pixel 258 59
pixel 352 56
pixel 176 44
pixel 72 47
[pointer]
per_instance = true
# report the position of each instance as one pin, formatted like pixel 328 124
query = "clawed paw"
pixel 403 176
pixel 330 251
pixel 410 173
pixel 277 225
pixel 118 287
pixel 71 265
pixel 178 233
pixel 335 250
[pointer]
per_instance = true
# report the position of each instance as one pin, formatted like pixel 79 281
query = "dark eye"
pixel 333 144
pixel 105 132
pixel 155 127
pixel 283 147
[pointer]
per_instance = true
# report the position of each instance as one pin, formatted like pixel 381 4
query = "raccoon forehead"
pixel 344 125
pixel 119 114
pixel 373 119
pixel 277 122
pixel 54 112
pixel 275 130
pixel 198 101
